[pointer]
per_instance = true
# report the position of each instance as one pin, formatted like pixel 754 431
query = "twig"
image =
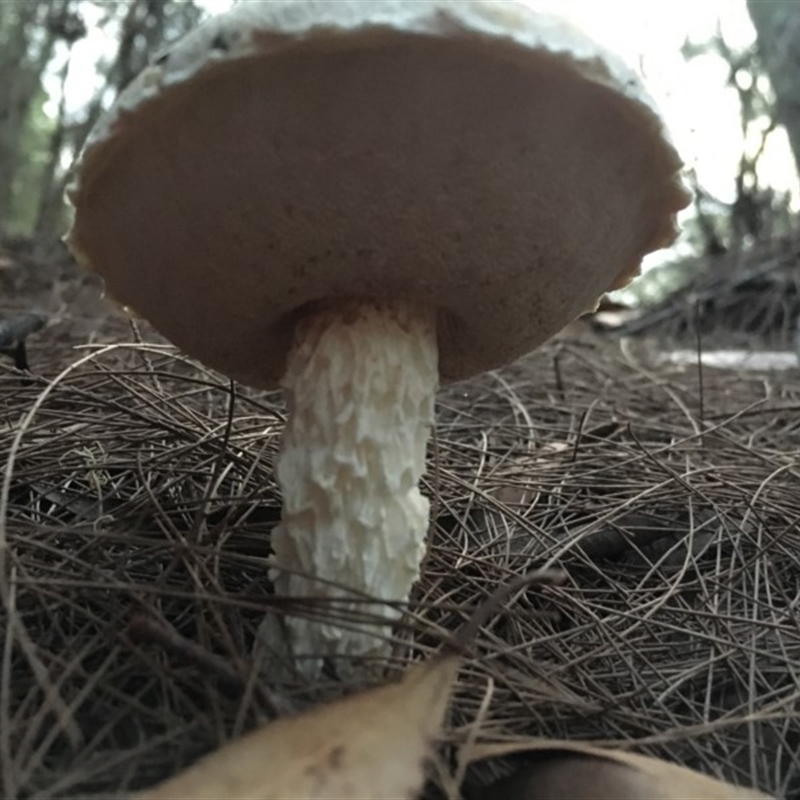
pixel 699 345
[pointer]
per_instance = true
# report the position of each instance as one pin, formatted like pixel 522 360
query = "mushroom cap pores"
pixel 475 157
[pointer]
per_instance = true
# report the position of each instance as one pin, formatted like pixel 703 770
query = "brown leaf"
pixel 373 744
pixel 575 771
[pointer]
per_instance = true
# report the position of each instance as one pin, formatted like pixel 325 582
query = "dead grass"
pixel 138 497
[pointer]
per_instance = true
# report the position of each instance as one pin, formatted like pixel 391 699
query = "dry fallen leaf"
pixel 373 744
pixel 370 745
pixel 575 771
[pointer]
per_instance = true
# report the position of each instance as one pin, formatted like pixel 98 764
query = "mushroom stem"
pixel 359 384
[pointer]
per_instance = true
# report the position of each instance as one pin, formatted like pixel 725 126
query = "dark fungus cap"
pixel 479 157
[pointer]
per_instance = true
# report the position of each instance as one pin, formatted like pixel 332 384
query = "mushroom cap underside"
pixel 506 181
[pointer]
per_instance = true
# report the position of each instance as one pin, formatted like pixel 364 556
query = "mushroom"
pixel 357 200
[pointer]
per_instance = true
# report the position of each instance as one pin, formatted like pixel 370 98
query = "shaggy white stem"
pixel 359 385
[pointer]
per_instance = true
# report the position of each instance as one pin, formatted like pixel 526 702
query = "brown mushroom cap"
pixel 477 157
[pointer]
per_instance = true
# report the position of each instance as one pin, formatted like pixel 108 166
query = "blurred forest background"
pixel 41 134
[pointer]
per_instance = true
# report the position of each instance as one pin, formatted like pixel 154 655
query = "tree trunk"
pixel 777 24
pixel 23 58
pixel 17 19
pixel 50 201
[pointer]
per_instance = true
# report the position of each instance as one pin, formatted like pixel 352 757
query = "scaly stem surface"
pixel 360 386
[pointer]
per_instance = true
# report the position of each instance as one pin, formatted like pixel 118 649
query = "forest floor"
pixel 138 497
